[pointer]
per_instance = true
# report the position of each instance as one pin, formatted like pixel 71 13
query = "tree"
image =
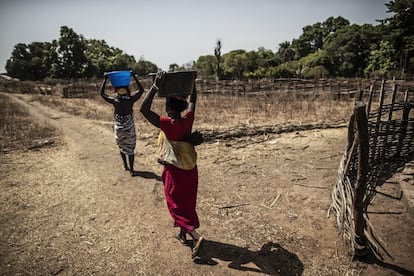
pixel 70 57
pixel 17 65
pixel 266 58
pixel 286 70
pixel 30 62
pixel 381 59
pixel 72 60
pixel 399 30
pixel 102 58
pixel 98 54
pixel 285 52
pixel 314 65
pixel 217 54
pixel 348 49
pixel 40 63
pixel 121 61
pixel 206 65
pixel 173 67
pixel 235 64
pixel 314 35
pixel 144 67
pixel 331 25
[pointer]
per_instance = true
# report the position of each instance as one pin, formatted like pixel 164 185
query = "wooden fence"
pixel 254 87
pixel 379 142
pixel 335 88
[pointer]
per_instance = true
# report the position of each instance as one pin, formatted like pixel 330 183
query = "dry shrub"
pixel 92 108
pixel 18 130
pixel 219 111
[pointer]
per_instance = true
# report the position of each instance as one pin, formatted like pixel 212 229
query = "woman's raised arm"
pixel 145 109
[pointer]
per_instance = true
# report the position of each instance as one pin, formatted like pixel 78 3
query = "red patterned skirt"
pixel 180 190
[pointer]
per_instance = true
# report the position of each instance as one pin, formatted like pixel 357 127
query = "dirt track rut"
pixel 71 209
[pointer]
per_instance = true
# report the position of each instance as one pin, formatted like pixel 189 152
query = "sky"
pixel 175 31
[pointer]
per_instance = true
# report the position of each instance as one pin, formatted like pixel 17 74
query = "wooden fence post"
pixel 404 124
pixel 371 93
pixel 387 126
pixel 375 153
pixel 361 185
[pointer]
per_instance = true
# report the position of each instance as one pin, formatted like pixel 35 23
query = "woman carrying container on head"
pixel 177 154
pixel 124 126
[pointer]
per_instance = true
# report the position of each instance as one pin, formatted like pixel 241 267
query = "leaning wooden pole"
pixel 404 124
pixel 371 93
pixel 360 241
pixel 387 126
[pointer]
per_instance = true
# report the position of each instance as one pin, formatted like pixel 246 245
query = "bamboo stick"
pixel 360 241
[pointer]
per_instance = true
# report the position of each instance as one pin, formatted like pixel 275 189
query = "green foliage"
pixel 380 60
pixel 30 62
pixel 235 64
pixel 102 58
pixel 315 72
pixel 218 61
pixel 266 58
pixel 187 66
pixel 314 35
pixel 71 57
pixel 285 53
pixel 206 65
pixel 329 48
pixel 71 52
pixel 173 67
pixel 144 67
pixel 319 58
pixel 399 31
pixel 314 65
pixel 286 70
pixel 349 49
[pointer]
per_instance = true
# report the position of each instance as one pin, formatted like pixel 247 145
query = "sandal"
pixel 181 236
pixel 196 247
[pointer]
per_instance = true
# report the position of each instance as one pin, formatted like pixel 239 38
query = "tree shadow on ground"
pixel 371 258
pixel 271 259
pixel 147 175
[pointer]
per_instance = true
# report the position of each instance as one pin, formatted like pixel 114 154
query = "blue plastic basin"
pixel 119 78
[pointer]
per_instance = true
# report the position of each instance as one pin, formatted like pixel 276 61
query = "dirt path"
pixel 263 202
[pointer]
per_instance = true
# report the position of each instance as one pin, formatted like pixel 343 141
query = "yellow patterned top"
pixel 177 153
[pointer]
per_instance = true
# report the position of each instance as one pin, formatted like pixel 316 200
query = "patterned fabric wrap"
pixel 125 135
pixel 177 153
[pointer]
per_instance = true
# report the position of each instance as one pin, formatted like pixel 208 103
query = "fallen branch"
pixel 298 179
pixel 310 186
pixel 218 161
pixel 212 136
pixel 330 156
pixel 233 206
pixel 265 206
pixel 287 194
pixel 250 143
pixel 41 145
pixel 273 202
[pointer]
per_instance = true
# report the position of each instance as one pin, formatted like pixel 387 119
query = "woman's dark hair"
pixel 176 104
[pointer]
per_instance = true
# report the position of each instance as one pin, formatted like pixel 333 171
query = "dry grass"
pixel 221 112
pixel 274 109
pixel 18 130
pixel 214 112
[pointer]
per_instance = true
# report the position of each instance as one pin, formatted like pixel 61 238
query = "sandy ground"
pixel 69 208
